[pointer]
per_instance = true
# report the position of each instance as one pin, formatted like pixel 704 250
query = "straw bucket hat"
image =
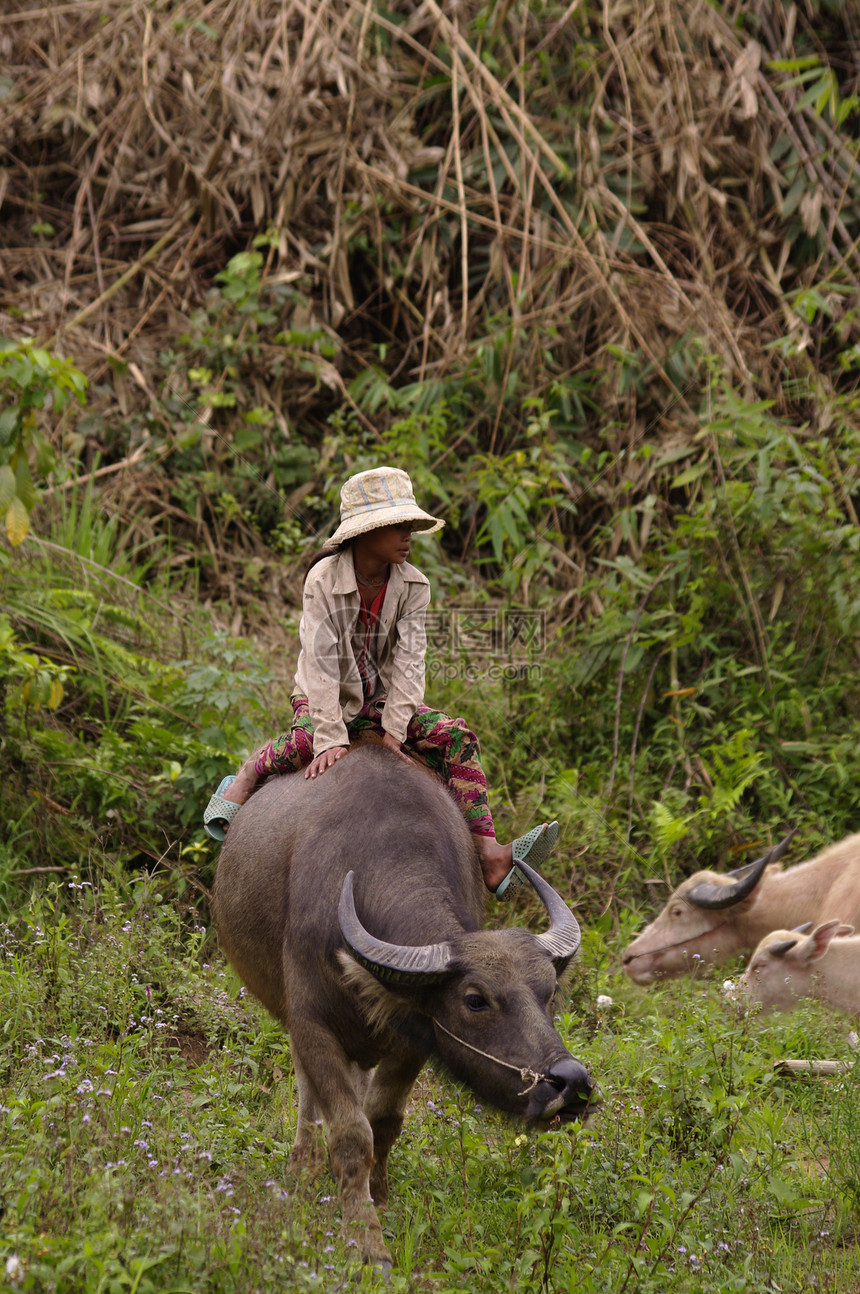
pixel 381 497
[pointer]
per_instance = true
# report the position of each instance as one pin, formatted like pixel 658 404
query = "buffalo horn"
pixel 780 949
pixel 773 854
pixel 390 963
pixel 562 939
pixel 714 897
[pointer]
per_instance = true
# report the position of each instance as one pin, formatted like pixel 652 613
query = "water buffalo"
pixel 351 906
pixel 712 918
pixel 789 965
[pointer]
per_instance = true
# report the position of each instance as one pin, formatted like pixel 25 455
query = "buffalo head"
pixel 486 1000
pixel 702 923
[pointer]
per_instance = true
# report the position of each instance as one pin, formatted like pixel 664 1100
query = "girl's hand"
pixel 391 743
pixel 325 760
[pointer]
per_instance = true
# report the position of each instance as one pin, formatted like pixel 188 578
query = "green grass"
pixel 148 1108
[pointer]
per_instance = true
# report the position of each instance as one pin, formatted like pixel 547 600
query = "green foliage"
pixel 512 503
pixel 135 1074
pixel 229 366
pixel 117 736
pixel 703 668
pixel 31 379
pixel 36 681
pixel 148 1106
pixel 730 770
pixel 513 328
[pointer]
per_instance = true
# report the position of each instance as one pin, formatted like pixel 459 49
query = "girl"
pixel 361 669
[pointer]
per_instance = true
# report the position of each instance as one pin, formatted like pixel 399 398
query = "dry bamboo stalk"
pixel 444 204
pixel 231 118
pixel 461 192
pixel 41 871
pixel 806 149
pixel 812 1068
pixel 73 483
pixel 505 102
pixel 125 277
pixel 51 11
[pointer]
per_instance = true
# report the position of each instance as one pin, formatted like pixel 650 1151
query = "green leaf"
pixel 783 1191
pixel 7 487
pixel 793 64
pixel 8 424
pixel 694 473
pixel 17 522
pixel 24 486
pixel 20 371
pixel 45 456
pixel 259 415
pixel 644 1200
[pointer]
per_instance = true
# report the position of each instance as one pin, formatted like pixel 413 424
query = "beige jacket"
pixel 327 671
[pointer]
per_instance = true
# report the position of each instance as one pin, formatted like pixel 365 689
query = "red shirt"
pixel 367 618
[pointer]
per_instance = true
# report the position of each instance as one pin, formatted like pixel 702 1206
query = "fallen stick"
pixel 73 482
pixel 812 1067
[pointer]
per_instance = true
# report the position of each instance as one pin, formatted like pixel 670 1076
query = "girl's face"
pixel 388 544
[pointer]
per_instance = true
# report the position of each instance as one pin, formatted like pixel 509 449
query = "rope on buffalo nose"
pixel 524 1073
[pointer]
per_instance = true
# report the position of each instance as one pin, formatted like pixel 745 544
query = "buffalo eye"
pixel 677 912
pixel 475 1002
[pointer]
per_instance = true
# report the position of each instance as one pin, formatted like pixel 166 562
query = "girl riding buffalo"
pixel 361 670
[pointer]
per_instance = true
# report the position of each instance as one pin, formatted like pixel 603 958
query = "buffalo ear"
pixel 816 944
pixel 384 1005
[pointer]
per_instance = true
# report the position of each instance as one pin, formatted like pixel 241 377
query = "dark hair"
pixel 328 551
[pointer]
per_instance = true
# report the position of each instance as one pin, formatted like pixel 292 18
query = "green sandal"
pixel 533 848
pixel 219 813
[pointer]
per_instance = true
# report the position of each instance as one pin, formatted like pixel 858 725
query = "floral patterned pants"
pixel 449 747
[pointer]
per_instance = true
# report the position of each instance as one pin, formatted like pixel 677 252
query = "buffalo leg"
pixel 385 1106
pixel 350 1140
pixel 308 1154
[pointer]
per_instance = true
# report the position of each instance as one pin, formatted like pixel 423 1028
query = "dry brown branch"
pixel 596 183
pixel 74 483
pixel 498 94
pixel 39 871
pixel 119 283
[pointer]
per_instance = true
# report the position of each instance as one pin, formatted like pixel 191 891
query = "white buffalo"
pixel 789 965
pixel 712 918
